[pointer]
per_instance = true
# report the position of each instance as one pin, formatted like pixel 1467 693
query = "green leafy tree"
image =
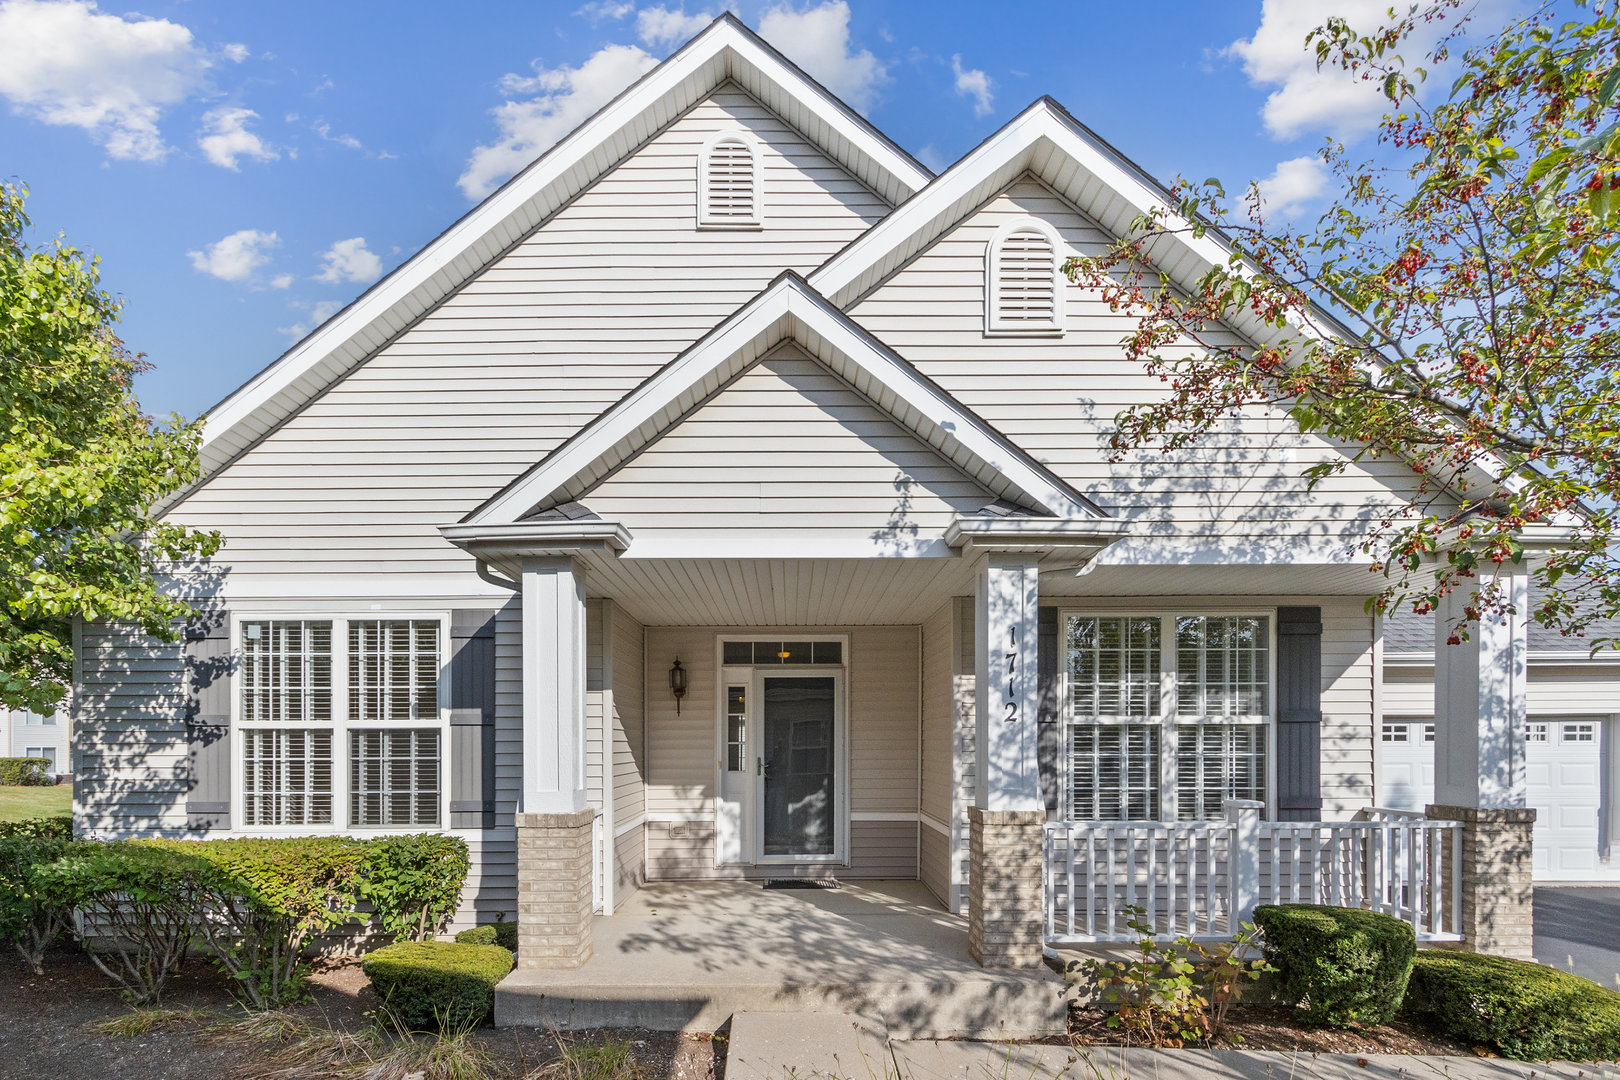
pixel 80 466
pixel 1472 268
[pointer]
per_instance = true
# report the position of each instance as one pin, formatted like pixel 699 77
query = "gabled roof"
pixel 725 50
pixel 1074 161
pixel 787 309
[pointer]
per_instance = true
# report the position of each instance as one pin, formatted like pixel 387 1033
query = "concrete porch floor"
pixel 687 955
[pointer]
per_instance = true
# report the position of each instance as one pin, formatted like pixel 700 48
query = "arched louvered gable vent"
pixel 730 183
pixel 1023 286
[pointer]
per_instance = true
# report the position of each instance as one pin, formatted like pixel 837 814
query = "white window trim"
pixel 341 725
pixel 994 325
pixel 1169 713
pixel 704 218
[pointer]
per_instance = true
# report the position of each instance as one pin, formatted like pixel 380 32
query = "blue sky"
pixel 245 169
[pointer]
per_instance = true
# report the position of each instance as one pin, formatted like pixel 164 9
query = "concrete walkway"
pixel 788 1047
pixel 690 955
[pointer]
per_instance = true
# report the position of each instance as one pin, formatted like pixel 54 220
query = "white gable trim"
pixel 725 50
pixel 788 308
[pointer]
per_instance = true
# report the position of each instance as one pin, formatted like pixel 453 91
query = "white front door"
pixel 1563 773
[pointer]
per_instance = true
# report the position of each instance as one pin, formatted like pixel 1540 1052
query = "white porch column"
pixel 554 834
pixel 1479 713
pixel 1479 703
pixel 553 686
pixel 1005 899
pixel 1006 620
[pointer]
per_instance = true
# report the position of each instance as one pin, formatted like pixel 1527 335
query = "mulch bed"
pixel 46 1028
pixel 1274 1027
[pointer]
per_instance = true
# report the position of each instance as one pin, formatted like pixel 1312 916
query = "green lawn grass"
pixel 21 803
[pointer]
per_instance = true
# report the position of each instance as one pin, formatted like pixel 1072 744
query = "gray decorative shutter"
pixel 1049 709
pixel 209 678
pixel 472 719
pixel 1299 713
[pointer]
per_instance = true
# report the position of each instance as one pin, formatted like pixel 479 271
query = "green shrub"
pixel 29 919
pixel 53 828
pixel 1339 966
pixel 414 882
pixel 25 772
pixel 142 901
pixel 503 934
pixel 1525 1010
pixel 266 898
pixel 438 985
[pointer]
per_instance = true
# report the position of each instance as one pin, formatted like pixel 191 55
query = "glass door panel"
pixel 798 755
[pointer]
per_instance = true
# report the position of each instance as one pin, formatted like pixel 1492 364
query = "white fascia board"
pixel 787 308
pixel 548 534
pixel 726 49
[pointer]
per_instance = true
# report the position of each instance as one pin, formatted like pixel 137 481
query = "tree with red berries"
pixel 1470 273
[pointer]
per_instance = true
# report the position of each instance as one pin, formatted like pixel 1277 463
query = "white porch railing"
pixel 1203 879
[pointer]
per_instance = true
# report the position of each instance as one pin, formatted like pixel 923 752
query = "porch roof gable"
pixel 788 309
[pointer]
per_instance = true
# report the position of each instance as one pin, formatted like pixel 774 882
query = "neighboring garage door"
pixel 1563 781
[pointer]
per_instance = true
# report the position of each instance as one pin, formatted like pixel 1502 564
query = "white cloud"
pixel 565 97
pixel 237 256
pixel 659 27
pixel 236 52
pixel 817 39
pixel 281 281
pixel 349 260
pixel 319 312
pixel 1292 186
pixel 931 157
pixel 599 11
pixel 225 138
pixel 63 62
pixel 1307 100
pixel 971 82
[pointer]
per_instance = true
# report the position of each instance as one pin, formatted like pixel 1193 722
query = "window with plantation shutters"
pixel 1170 714
pixel 730 183
pixel 342 723
pixel 1023 285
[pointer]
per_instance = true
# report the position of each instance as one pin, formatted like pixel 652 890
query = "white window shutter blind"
pixel 729 183
pixel 1024 294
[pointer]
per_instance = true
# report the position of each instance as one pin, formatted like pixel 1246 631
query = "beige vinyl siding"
pixel 1057 398
pixel 598 691
pixel 129 733
pixel 1579 688
pixel 629 754
pixel 937 751
pixel 597 298
pixel 967 741
pixel 789 446
pixel 883 692
pixel 1348 676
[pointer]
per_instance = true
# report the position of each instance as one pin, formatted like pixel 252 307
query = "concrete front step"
pixel 806 1046
pixel 982 1005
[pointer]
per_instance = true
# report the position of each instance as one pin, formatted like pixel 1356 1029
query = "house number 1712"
pixel 1012 672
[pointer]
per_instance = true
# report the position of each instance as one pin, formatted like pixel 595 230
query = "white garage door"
pixel 1406 765
pixel 1563 777
pixel 1563 782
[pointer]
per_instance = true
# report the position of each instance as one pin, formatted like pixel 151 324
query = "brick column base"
pixel 1497 888
pixel 555 893
pixel 1005 917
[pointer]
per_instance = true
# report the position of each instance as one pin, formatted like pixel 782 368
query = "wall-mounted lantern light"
pixel 677 684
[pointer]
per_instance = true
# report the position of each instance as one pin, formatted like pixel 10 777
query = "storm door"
pixel 798 756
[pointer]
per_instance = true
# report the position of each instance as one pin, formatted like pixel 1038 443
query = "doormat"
pixel 801 883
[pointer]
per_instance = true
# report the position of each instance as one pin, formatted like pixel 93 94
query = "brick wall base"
pixel 555 892
pixel 1005 905
pixel 1495 873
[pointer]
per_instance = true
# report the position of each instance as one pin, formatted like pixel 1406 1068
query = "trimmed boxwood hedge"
pixel 1527 1011
pixel 503 934
pixel 438 985
pixel 1339 966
